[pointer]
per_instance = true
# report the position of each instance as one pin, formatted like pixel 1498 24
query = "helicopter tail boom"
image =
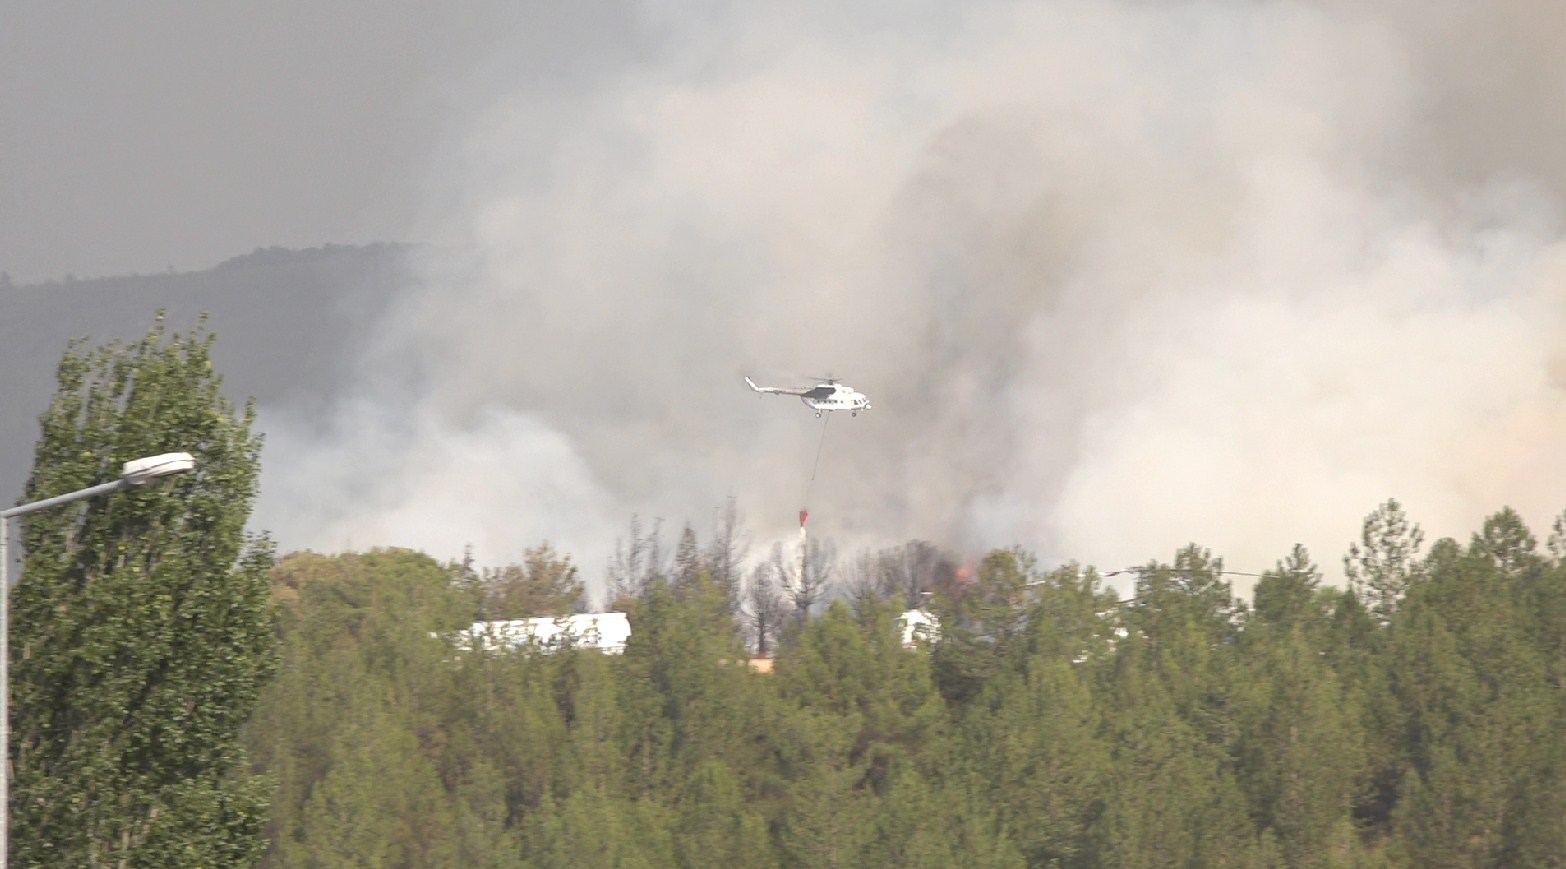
pixel 773 390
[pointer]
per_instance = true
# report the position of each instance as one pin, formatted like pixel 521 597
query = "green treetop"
pixel 143 631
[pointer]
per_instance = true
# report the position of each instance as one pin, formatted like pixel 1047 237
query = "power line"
pixel 1141 571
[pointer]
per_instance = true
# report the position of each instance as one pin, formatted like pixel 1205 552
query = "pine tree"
pixel 981 622
pixel 594 830
pixel 142 631
pixel 1189 624
pixel 1385 561
pixel 828 819
pixel 1172 800
pixel 1473 676
pixel 1505 540
pixel 856 670
pixel 479 814
pixel 678 686
pixel 1557 540
pixel 714 827
pixel 1042 761
pixel 381 804
pixel 690 568
pixel 1300 748
pixel 1072 616
pixel 1286 595
pixel 921 823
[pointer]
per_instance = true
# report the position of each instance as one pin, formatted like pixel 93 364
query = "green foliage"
pixel 1172 797
pixel 546 583
pixel 1052 725
pixel 592 829
pixel 1301 750
pixel 1473 676
pixel 1285 597
pixel 364 671
pixel 379 803
pixel 981 622
pixel 1035 743
pixel 142 631
pixel 715 827
pixel 1385 561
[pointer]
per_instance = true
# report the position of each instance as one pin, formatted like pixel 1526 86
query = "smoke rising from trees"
pixel 1116 276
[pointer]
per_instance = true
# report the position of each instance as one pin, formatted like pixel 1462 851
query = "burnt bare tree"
pixel 804 576
pixel 726 551
pixel 902 573
pixel 763 609
pixel 637 560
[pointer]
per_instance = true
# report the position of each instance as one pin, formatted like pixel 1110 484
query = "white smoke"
pixel 1117 276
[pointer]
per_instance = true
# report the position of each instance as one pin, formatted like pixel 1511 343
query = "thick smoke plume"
pixel 1117 276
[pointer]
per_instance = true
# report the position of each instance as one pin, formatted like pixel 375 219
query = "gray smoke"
pixel 1117 276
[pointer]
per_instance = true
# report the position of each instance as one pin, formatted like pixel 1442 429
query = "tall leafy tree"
pixel 546 583
pixel 143 631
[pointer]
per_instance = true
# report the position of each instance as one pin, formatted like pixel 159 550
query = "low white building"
pixel 918 626
pixel 606 632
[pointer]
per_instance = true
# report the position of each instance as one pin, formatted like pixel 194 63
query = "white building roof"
pixel 919 626
pixel 606 632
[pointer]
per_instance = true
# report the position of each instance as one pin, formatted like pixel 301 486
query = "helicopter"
pixel 826 396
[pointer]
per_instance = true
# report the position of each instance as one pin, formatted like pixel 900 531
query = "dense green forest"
pixel 1415 718
pixel 183 699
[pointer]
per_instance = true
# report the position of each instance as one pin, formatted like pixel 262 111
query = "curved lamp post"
pixel 132 474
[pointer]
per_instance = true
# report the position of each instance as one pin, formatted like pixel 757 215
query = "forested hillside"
pixel 1415 719
pixel 294 322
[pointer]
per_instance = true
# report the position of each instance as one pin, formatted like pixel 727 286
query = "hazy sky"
pixel 1118 275
pixel 135 136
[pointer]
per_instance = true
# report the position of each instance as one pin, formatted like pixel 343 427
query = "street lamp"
pixel 132 474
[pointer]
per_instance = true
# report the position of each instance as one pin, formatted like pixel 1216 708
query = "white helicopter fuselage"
pixel 842 399
pixel 823 397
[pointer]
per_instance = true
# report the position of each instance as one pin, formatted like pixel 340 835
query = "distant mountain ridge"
pixel 290 325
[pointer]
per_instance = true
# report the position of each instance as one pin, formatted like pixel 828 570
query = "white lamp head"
pixel 145 470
